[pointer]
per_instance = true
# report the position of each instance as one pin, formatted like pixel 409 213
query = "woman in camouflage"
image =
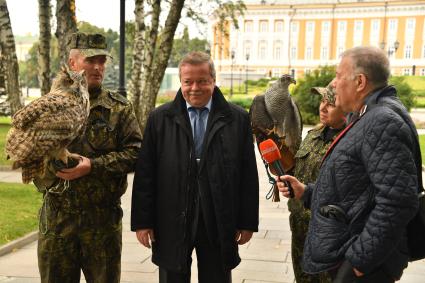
pixel 308 160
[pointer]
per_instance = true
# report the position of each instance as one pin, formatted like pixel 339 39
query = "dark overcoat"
pixel 226 177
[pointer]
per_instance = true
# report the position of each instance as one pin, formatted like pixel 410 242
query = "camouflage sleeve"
pixel 124 159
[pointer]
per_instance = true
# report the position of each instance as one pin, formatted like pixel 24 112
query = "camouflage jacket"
pixel 308 160
pixel 111 141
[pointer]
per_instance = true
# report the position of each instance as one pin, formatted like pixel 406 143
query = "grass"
pixel 19 210
pixel 422 146
pixel 3 132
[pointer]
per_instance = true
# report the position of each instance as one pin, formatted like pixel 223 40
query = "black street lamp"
pixel 232 56
pixel 246 73
pixel 391 49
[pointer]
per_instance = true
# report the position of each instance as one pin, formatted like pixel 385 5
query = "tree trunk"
pixel 66 25
pixel 10 61
pixel 44 15
pixel 154 70
pixel 135 83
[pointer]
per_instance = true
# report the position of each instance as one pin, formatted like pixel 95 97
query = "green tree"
pixel 184 45
pixel 308 103
pixel 404 91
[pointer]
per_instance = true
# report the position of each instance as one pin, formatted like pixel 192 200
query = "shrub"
pixel 404 91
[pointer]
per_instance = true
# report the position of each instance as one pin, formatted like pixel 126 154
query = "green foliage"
pixel 29 68
pixel 242 101
pixel 4 128
pixel 19 213
pixel 422 146
pixel 404 91
pixel 184 45
pixel 307 102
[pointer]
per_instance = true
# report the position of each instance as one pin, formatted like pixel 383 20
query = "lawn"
pixel 19 210
pixel 422 145
pixel 4 127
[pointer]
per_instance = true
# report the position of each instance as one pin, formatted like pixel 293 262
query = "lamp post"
pixel 232 57
pixel 246 73
pixel 391 49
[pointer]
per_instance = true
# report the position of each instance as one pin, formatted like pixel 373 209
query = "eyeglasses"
pixel 201 82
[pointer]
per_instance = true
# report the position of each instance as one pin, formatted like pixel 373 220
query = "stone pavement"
pixel 265 259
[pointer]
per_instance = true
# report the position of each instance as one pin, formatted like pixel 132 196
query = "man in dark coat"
pixel 196 182
pixel 366 191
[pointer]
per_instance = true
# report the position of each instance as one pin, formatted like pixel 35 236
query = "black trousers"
pixel 345 274
pixel 210 265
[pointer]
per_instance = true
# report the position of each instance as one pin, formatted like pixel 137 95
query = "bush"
pixel 404 91
pixel 307 102
pixel 244 102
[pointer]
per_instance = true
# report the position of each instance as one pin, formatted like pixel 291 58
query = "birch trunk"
pixel 135 83
pixel 66 25
pixel 155 66
pixel 44 15
pixel 10 61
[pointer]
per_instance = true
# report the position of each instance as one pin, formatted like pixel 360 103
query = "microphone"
pixel 271 154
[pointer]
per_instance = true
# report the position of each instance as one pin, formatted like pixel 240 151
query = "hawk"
pixel 274 115
pixel 43 129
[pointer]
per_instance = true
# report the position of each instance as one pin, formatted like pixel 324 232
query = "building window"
pixel 410 29
pixel 248 26
pixel 407 72
pixel 342 32
pixel 276 72
pixel 307 71
pixel 293 52
pixel 358 33
pixel 262 47
pixel 408 52
pixel 278 26
pixel 277 50
pixel 309 35
pixel 374 32
pixel 325 34
pixel 339 51
pixel 295 27
pixel 308 53
pixel 324 54
pixel 264 26
pixel 423 51
pixel 247 48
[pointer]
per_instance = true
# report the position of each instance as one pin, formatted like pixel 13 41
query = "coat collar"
pixel 382 92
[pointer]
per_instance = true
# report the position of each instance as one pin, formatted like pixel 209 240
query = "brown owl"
pixel 43 129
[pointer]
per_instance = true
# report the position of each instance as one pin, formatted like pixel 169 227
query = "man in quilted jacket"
pixel 366 191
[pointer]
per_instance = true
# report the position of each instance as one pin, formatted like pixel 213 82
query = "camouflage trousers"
pixel 88 240
pixel 299 220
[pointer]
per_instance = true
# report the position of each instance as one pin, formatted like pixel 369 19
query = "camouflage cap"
pixel 327 93
pixel 89 44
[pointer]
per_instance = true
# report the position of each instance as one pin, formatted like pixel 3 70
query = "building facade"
pixel 295 37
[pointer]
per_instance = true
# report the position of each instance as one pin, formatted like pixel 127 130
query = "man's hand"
pixel 83 168
pixel 145 237
pixel 297 186
pixel 243 236
pixel 357 273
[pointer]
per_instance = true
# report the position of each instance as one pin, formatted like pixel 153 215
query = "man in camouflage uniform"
pixel 80 220
pixel 307 164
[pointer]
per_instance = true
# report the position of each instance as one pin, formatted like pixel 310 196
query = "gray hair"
pixel 372 62
pixel 197 58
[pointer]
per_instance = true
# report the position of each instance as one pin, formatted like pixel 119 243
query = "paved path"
pixel 265 259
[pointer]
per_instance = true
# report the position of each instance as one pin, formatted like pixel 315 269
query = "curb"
pixel 18 243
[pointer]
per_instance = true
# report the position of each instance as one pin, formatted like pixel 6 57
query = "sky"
pixel 101 13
